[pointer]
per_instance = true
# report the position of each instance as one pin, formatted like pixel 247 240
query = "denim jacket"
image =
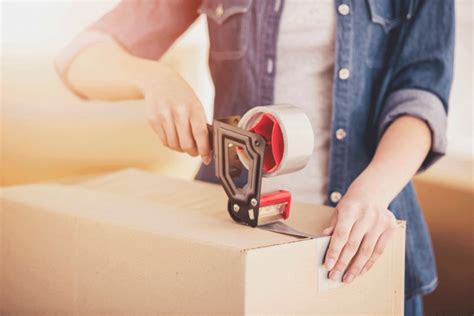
pixel 393 58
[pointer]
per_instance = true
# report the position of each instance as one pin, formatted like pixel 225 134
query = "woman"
pixel 373 76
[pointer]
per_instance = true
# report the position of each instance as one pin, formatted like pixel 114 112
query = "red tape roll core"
pixel 267 126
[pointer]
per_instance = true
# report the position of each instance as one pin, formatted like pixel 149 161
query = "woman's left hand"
pixel 360 228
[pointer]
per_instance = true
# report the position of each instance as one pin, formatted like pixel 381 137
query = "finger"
pixel 329 230
pixel 363 254
pixel 169 128
pixel 378 250
pixel 200 134
pixel 185 137
pixel 349 250
pixel 156 126
pixel 338 240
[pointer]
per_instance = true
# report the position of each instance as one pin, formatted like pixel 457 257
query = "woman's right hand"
pixel 105 71
pixel 175 113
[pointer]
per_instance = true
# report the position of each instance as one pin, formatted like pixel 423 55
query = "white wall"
pixel 461 118
pixel 43 27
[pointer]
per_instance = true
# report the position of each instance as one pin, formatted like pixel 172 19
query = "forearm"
pixel 105 71
pixel 400 153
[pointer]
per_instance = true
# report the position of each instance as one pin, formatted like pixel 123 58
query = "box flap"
pixel 161 205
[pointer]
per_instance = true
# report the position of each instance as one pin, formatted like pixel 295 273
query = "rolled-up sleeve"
pixel 422 75
pixel 144 28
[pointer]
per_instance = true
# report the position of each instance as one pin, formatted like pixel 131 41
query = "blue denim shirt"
pixel 393 58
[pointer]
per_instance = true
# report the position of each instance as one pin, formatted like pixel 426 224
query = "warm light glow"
pixel 39 27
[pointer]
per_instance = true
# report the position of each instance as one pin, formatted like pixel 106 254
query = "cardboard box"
pixel 446 194
pixel 133 242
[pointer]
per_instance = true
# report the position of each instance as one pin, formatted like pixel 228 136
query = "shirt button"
pixel 219 10
pixel 344 73
pixel 269 66
pixel 335 196
pixel 343 9
pixel 341 133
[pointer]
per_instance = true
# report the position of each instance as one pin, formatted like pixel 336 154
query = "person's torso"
pixel 243 53
pixel 303 77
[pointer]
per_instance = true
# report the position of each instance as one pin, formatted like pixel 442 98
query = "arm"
pixel 400 154
pixel 412 126
pixel 363 220
pixel 106 71
pixel 122 65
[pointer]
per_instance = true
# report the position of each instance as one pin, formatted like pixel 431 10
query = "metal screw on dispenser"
pixel 236 208
pixel 253 202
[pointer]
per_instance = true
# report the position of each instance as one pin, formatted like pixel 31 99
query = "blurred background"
pixel 46 133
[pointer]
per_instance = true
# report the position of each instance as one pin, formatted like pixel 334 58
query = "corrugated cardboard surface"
pixel 132 242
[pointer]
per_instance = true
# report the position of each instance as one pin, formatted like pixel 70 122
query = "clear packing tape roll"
pixel 288 134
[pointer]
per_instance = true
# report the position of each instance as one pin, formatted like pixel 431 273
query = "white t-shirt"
pixel 304 72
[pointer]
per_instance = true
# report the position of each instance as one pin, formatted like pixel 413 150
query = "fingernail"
pixel 206 160
pixel 330 263
pixel 335 275
pixel 348 278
